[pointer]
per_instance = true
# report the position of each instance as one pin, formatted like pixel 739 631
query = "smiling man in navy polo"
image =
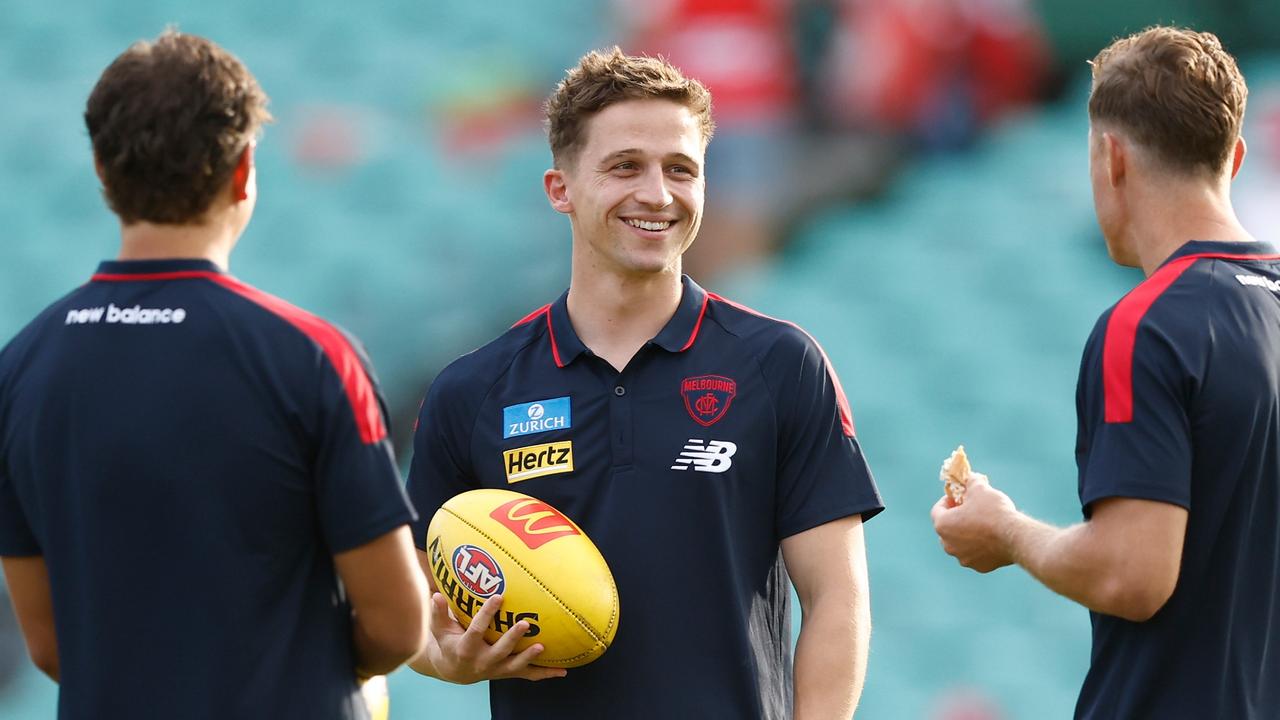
pixel 706 449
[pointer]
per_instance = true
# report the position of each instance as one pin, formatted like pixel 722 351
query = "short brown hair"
pixel 1177 91
pixel 168 120
pixel 604 78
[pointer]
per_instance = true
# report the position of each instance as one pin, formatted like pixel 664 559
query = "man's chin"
pixel 642 267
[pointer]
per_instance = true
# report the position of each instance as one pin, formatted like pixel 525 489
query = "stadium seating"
pixel 955 308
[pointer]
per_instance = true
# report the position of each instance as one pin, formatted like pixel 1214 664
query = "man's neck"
pixel 1177 213
pixel 615 316
pixel 148 241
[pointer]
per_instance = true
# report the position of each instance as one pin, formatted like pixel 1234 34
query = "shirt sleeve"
pixel 822 473
pixel 16 536
pixel 359 494
pixel 440 467
pixel 17 539
pixel 1147 456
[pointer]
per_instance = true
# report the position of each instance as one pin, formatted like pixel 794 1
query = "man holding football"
pixel 709 451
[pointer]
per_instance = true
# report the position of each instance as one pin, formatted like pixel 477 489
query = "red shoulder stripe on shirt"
pixel 532 316
pixel 842 402
pixel 336 347
pixel 544 310
pixel 1122 332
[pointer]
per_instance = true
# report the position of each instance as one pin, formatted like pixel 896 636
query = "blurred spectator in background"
pixel 936 71
pixel 1256 200
pixel 741 50
pixel 965 703
pixel 491 100
pixel 330 138
pixel 811 96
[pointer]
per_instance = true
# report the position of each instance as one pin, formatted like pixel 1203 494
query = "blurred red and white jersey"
pixel 740 49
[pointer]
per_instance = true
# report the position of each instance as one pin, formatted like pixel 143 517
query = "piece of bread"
pixel 955 475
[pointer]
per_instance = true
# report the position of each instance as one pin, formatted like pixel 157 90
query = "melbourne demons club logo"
pixel 477 571
pixel 533 521
pixel 707 397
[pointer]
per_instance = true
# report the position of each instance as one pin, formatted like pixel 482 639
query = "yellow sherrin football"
pixel 488 542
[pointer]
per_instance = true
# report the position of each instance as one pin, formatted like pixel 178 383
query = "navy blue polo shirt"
pixel 1179 402
pixel 187 453
pixel 724 434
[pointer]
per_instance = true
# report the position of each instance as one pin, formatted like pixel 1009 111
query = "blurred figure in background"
pixel 741 51
pixel 966 703
pixel 936 71
pixel 200 515
pixel 817 101
pixel 1178 407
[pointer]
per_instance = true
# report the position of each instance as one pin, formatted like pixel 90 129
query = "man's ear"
pixel 1116 156
pixel 240 176
pixel 1237 156
pixel 553 183
pixel 97 168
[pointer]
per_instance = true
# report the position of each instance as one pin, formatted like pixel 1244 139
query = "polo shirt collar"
pixel 677 336
pixel 1218 247
pixel 682 328
pixel 157 267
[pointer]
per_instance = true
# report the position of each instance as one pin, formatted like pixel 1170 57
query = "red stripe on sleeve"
pixel 336 347
pixel 842 402
pixel 532 316
pixel 544 310
pixel 1122 333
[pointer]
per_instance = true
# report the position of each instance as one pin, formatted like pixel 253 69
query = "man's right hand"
pixel 461 655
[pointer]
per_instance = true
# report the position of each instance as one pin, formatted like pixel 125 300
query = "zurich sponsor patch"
pixel 535 417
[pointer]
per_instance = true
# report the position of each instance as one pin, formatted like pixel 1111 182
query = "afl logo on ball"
pixel 707 397
pixel 478 571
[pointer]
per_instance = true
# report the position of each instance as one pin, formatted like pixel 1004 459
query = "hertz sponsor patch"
pixel 533 461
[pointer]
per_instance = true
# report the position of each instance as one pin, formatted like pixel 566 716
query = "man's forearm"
pixel 374 657
pixel 831 659
pixel 1123 561
pixel 1057 557
pixel 1074 563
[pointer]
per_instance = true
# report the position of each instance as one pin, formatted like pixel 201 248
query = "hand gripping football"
pixel 488 542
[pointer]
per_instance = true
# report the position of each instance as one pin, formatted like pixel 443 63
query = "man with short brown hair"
pixel 711 454
pixel 1179 404
pixel 200 514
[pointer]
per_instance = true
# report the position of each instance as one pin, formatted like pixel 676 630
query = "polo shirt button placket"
pixel 620 427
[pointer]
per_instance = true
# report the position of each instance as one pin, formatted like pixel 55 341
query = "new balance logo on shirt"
pixel 1258 281
pixel 713 456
